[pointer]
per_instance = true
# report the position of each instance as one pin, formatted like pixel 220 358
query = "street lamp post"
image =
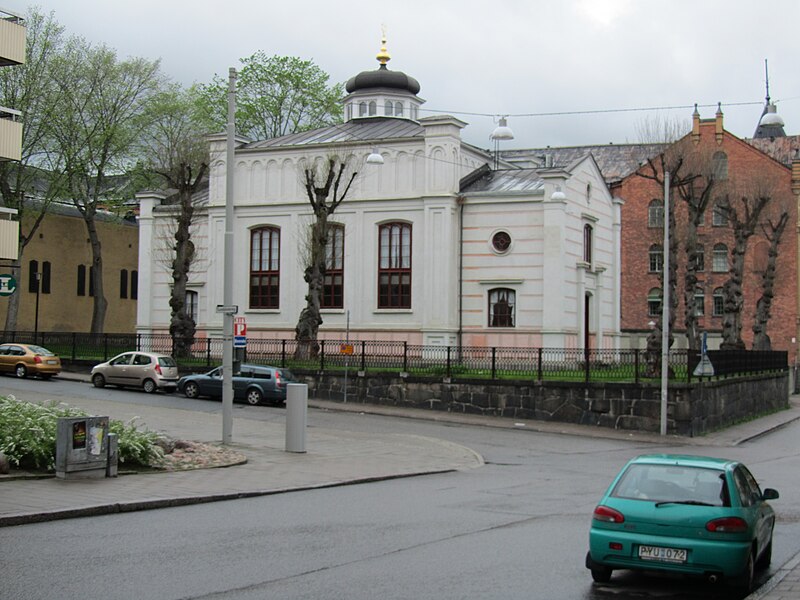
pixel 227 275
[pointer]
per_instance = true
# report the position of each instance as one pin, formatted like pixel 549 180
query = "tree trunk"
pixel 761 339
pixel 100 304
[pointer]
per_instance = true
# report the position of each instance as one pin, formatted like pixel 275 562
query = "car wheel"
pixel 601 574
pixel 747 578
pixel 149 386
pixel 191 390
pixel 98 381
pixel 766 557
pixel 21 371
pixel 254 396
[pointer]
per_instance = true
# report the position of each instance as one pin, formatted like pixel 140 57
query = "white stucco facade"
pixel 424 182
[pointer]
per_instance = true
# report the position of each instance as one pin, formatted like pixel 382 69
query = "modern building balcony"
pixel 12 38
pixel 10 134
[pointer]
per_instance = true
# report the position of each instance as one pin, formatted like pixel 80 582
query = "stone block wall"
pixel 693 409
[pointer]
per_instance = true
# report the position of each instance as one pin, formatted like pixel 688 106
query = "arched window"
pixel 33 276
pixel 501 307
pixel 587 243
pixel 388 108
pixel 362 109
pixel 656 256
pixel 654 302
pixel 718 300
pixel 265 273
pixel 588 193
pixel 394 265
pixel 719 165
pixel 655 213
pixel 720 259
pixel 398 109
pixel 373 108
pixel 333 288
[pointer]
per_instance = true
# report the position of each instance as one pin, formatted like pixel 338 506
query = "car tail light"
pixel 278 382
pixel 615 546
pixel 608 515
pixel 158 368
pixel 37 360
pixel 727 525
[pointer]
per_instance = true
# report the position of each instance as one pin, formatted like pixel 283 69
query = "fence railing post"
pixel 322 355
pixel 636 365
pixel 405 357
pixel 363 355
pixel 74 344
pixel 283 354
pixel 105 346
pixel 494 362
pixel 448 362
pixel 208 352
pixel 539 371
pixel 586 352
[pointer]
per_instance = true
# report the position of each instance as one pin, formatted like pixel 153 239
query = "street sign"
pixel 346 349
pixel 239 332
pixel 227 310
pixel 8 284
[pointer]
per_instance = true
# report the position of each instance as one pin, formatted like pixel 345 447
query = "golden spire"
pixel 383 56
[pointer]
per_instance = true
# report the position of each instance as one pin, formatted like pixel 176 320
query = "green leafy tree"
pixel 30 185
pixel 177 155
pixel 275 96
pixel 99 119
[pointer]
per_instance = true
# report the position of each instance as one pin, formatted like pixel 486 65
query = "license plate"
pixel 672 555
pixel 52 362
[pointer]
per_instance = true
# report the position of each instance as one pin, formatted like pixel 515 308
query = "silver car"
pixel 146 370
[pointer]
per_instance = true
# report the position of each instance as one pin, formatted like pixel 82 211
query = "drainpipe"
pixel 460 200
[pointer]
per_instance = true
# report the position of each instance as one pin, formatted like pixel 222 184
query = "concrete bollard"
pixel 296 416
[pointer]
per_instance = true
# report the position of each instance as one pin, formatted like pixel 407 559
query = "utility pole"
pixel 227 285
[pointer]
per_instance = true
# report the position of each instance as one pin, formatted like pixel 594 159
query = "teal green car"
pixel 683 514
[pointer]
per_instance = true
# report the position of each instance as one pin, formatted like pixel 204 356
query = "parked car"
pixel 253 384
pixel 683 514
pixel 29 359
pixel 147 370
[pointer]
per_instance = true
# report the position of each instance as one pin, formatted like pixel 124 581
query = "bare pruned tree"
pixel 327 183
pixel 773 231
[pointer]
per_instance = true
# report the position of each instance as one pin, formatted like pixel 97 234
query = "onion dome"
pixel 382 77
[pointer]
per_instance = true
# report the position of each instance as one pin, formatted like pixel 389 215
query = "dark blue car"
pixel 253 384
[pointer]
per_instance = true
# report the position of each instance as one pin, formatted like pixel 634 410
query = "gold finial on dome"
pixel 383 56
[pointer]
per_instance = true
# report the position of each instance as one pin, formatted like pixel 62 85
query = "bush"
pixel 28 435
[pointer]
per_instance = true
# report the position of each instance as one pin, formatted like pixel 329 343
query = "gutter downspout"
pixel 460 200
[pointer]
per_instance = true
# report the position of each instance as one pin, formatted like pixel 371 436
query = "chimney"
pixel 718 124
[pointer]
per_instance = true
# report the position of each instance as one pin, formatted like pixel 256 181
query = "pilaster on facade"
pixel 442 154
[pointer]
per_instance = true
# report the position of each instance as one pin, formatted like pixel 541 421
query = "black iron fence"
pixel 451 362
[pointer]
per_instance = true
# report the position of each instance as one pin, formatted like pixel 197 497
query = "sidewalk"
pixel 332 457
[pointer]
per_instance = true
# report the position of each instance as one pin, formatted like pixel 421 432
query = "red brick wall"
pixel 747 167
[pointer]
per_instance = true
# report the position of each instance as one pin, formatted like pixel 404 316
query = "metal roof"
pixel 507 180
pixel 357 130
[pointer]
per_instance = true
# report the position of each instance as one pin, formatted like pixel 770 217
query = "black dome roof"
pixel 382 78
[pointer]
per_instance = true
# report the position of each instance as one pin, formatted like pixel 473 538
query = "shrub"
pixel 28 435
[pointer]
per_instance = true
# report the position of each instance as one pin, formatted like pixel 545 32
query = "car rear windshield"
pixel 167 361
pixel 673 483
pixel 40 350
pixel 286 375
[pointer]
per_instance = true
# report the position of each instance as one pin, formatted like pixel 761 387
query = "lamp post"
pixel 501 132
pixel 665 301
pixel 227 275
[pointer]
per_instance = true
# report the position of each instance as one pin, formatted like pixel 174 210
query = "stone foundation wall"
pixel 693 409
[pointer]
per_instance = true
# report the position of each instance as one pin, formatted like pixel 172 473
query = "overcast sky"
pixel 477 59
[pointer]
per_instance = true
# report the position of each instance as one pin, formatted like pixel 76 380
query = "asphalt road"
pixel 515 528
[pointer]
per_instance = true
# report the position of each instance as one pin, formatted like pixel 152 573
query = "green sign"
pixel 8 285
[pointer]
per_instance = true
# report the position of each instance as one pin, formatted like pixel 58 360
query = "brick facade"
pixel 748 169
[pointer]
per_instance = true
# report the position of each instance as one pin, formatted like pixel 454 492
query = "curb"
pixel 139 505
pixel 776 579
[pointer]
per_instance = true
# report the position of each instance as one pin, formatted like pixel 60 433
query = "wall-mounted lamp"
pixel 375 158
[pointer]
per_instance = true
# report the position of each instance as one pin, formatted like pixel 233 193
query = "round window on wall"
pixel 501 242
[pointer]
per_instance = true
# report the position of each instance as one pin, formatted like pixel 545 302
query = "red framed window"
pixel 265 270
pixel 394 265
pixel 333 288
